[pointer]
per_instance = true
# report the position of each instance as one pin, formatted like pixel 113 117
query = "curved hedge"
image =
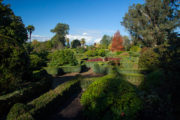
pixel 110 97
pixel 49 101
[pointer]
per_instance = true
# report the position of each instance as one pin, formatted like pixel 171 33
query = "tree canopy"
pixel 105 41
pixel 75 43
pixel 61 30
pixel 153 22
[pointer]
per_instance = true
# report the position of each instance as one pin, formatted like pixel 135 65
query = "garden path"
pixel 72 109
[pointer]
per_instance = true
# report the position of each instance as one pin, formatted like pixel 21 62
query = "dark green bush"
pixel 62 57
pixel 149 59
pixel 101 52
pixel 110 97
pixel 100 68
pixel 19 112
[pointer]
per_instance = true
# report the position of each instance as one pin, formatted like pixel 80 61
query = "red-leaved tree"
pixel 117 42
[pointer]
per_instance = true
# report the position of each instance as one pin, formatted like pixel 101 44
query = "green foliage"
pixel 61 30
pixel 30 29
pixel 135 49
pixel 91 53
pixel 14 63
pixel 18 111
pixel 70 69
pixel 54 71
pixel 62 57
pixel 100 68
pixel 75 44
pixel 149 59
pixel 12 25
pixel 109 97
pixel 153 22
pixel 36 62
pixel 101 52
pixel 105 41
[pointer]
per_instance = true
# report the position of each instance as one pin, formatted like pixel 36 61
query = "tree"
pixel 11 25
pixel 117 42
pixel 67 41
pixel 105 41
pixel 75 43
pixel 14 60
pixel 30 29
pixel 83 41
pixel 126 42
pixel 153 22
pixel 61 30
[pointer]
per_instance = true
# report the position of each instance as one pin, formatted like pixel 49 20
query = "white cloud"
pixel 40 38
pixel 84 33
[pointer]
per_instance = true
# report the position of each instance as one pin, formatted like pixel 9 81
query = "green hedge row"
pixel 135 79
pixel 54 71
pixel 27 93
pixel 46 103
pixel 110 97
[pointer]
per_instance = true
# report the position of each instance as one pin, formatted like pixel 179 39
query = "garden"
pixel 119 78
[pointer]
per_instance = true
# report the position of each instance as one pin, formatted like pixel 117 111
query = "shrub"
pixel 100 68
pixel 54 71
pixel 62 57
pixel 27 93
pixel 91 53
pixel 135 49
pixel 19 112
pixel 101 52
pixel 70 69
pixel 36 62
pixel 110 97
pixel 149 59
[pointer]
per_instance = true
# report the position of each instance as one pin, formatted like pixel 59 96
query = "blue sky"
pixel 89 19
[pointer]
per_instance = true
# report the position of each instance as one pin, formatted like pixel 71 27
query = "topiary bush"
pixel 36 62
pixel 70 69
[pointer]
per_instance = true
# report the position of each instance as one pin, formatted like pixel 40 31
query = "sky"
pixel 89 19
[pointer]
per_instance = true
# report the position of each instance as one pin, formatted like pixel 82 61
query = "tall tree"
pixel 61 30
pixel 30 29
pixel 75 43
pixel 83 41
pixel 153 22
pixel 13 57
pixel 67 41
pixel 105 41
pixel 126 42
pixel 117 42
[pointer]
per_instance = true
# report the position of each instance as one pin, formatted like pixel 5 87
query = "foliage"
pixel 62 57
pixel 30 29
pixel 75 43
pixel 36 62
pixel 100 68
pixel 117 42
pixel 17 111
pixel 91 53
pixel 12 25
pixel 105 41
pixel 111 98
pixel 149 59
pixel 41 84
pixel 61 30
pixel 153 22
pixel 54 71
pixel 101 52
pixel 70 69
pixel 126 42
pixel 135 49
pixel 83 41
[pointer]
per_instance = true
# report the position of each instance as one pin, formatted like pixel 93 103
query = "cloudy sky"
pixel 89 19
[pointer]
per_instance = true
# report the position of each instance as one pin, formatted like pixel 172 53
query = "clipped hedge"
pixel 110 97
pixel 54 71
pixel 49 101
pixel 70 69
pixel 27 93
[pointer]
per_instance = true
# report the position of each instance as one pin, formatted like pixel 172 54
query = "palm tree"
pixel 67 41
pixel 30 29
pixel 83 41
